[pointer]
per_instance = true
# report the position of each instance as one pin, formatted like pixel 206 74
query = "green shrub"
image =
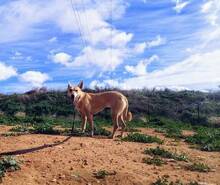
pixel 142 138
pixel 164 181
pixel 101 131
pixel 165 154
pixel 45 129
pixel 19 129
pixel 199 167
pixel 207 138
pixel 8 163
pixel 154 161
pixel 101 174
pixel 8 134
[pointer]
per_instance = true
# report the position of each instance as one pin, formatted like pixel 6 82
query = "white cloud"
pixel 141 47
pixel 101 59
pixel 141 68
pixel 211 9
pixel 199 71
pixel 24 16
pixel 180 5
pixel 111 83
pixel 35 78
pixel 62 58
pixel 7 71
pixel 104 45
pixel 52 39
pixel 19 56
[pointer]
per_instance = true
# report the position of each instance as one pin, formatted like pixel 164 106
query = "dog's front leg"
pixel 84 121
pixel 90 117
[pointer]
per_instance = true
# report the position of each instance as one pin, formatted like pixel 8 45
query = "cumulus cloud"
pixel 105 59
pixel 62 58
pixel 34 78
pixel 199 71
pixel 180 5
pixel 7 71
pixel 22 16
pixel 141 68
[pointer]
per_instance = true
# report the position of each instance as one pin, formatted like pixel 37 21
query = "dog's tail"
pixel 127 114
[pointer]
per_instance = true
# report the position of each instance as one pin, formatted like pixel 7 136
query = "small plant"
pixel 154 161
pixel 45 129
pixel 98 131
pixel 101 174
pixel 101 132
pixel 165 154
pixel 142 138
pixel 8 134
pixel 194 183
pixel 164 181
pixel 8 164
pixel 161 181
pixel 19 129
pixel 200 167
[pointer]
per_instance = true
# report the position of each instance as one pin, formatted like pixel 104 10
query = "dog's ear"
pixel 69 85
pixel 80 85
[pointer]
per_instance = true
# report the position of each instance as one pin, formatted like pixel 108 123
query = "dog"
pixel 88 104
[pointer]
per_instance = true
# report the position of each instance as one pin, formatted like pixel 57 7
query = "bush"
pixel 101 174
pixel 142 138
pixel 7 164
pixel 207 138
pixel 44 129
pixel 165 154
pixel 154 161
pixel 164 181
pixel 19 129
pixel 199 167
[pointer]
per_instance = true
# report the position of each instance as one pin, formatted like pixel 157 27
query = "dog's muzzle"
pixel 72 97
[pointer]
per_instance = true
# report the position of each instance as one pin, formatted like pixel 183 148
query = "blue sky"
pixel 130 44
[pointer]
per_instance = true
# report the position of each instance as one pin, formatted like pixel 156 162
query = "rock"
pixel 54 180
pixel 85 162
pixel 171 160
pixel 61 176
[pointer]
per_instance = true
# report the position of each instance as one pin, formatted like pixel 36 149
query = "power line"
pixel 77 18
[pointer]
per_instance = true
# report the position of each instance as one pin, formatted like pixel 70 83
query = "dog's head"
pixel 75 91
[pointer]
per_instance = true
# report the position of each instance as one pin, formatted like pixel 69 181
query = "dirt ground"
pixel 67 160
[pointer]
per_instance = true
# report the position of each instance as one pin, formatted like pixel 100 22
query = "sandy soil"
pixel 73 161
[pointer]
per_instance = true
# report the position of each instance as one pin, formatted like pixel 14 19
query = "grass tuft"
pixel 165 154
pixel 142 138
pixel 199 167
pixel 8 164
pixel 154 161
pixel 101 174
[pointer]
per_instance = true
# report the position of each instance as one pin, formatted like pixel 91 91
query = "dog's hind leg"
pixel 123 125
pixel 115 124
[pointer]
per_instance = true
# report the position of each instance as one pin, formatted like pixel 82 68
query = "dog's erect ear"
pixel 69 84
pixel 80 85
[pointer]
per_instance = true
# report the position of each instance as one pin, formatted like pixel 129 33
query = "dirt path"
pixel 74 161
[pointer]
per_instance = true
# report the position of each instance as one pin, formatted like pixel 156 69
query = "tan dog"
pixel 89 104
